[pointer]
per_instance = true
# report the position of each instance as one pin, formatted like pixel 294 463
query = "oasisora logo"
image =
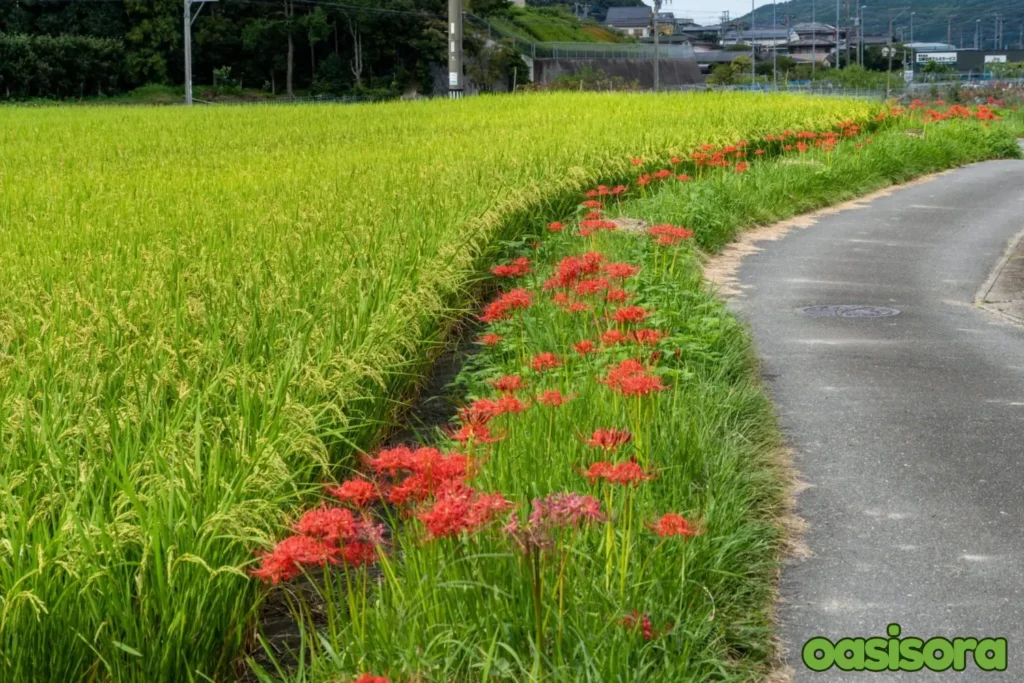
pixel 904 654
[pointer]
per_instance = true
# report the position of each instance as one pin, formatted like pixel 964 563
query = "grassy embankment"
pixel 556 601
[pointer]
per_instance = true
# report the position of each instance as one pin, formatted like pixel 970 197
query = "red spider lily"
pixel 706 147
pixel 635 620
pixel 553 398
pixel 474 433
pixel 483 410
pixel 647 336
pixel 518 268
pixel 672 524
pixel 490 339
pixel 741 167
pixel 644 180
pixel 616 296
pixel 462 510
pixel 612 337
pixel 584 347
pixel 572 269
pixel 589 226
pixel 619 189
pixel 425 461
pixel 556 227
pixel 630 378
pixel 669 234
pixel 801 147
pixel 636 161
pixel 630 314
pixel 358 492
pixel 288 557
pixel 508 383
pixel 502 307
pixel 591 286
pixel 359 553
pixel 544 361
pixel 591 204
pixel 620 270
pixel 609 439
pixel 370 678
pixel 662 174
pixel 592 215
pixel 510 404
pixel 577 307
pixel 329 524
pixel 556 511
pixel 759 152
pixel 683 178
pixel 561 299
pixel 624 474
pixel 675 161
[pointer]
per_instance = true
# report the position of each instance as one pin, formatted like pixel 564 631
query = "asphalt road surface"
pixel 908 428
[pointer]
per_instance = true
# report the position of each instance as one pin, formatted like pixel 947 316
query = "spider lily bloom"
pixel 683 178
pixel 667 235
pixel 518 268
pixel 592 215
pixel 620 270
pixel 662 174
pixel 673 524
pixel 462 510
pixel 556 227
pixel 332 525
pixel 630 314
pixel 553 398
pixel 475 433
pixel 370 678
pixel 618 189
pixel 490 339
pixel 612 337
pixel 616 296
pixel 577 307
pixel 647 336
pixel 584 347
pixel 759 152
pixel 358 492
pixel 644 180
pixel 544 361
pixel 636 161
pixel 502 307
pixel 634 619
pixel 591 286
pixel 572 269
pixel 741 167
pixel 609 439
pixel 675 161
pixel 630 378
pixel 290 555
pixel 508 383
pixel 591 204
pixel 553 512
pixel 624 474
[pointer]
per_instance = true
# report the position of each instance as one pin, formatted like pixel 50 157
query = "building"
pixel 633 21
pixel 812 30
pixel 761 38
pixel 809 50
pixel 666 23
pixel 967 62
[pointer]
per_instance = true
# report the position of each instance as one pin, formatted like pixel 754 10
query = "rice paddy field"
pixel 208 313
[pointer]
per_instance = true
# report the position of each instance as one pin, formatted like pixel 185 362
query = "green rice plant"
pixel 208 311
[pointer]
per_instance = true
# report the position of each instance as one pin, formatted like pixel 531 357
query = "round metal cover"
pixel 848 311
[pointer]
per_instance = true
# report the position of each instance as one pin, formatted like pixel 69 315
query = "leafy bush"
pixel 59 66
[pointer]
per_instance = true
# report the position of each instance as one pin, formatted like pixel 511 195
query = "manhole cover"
pixel 848 311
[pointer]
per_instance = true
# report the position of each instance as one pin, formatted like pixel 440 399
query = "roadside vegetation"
pixel 608 503
pixel 209 312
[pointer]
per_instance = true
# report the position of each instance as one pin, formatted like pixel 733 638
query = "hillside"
pixel 930 19
pixel 550 24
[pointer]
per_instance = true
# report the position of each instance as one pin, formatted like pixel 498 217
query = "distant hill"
pixel 930 19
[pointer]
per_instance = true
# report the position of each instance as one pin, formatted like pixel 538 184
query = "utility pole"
pixel 775 46
pixel 977 32
pixel 814 38
pixel 912 26
pixel 837 33
pixel 455 77
pixel 949 29
pixel 657 48
pixel 189 19
pixel 847 32
pixel 862 8
pixel 753 45
pixel 890 49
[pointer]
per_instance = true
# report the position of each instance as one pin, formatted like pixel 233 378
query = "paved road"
pixel 909 429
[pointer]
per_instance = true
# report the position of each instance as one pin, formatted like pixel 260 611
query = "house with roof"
pixel 809 50
pixel 812 30
pixel 760 38
pixel 633 21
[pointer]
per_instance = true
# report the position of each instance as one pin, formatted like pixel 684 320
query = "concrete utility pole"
pixel 814 38
pixel 189 19
pixel 848 33
pixel 861 47
pixel 753 45
pixel 837 34
pixel 775 46
pixel 890 49
pixel 977 32
pixel 912 26
pixel 455 77
pixel 657 47
pixel 949 29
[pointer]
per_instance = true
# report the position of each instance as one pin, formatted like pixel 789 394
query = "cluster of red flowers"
pixel 508 384
pixel 625 473
pixel 630 314
pixel 604 191
pixel 490 339
pixel 370 678
pixel 461 509
pixel 672 524
pixel 635 621
pixel 544 361
pixel 572 269
pixel 502 307
pixel 609 439
pixel 550 514
pixel 667 235
pixel 518 268
pixel 630 378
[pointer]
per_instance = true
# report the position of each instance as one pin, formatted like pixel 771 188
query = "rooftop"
pixel 629 17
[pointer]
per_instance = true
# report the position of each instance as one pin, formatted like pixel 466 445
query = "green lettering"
pixel 877 656
pixel 938 654
pixel 911 658
pixel 990 654
pixel 812 649
pixel 961 646
pixel 894 631
pixel 849 654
